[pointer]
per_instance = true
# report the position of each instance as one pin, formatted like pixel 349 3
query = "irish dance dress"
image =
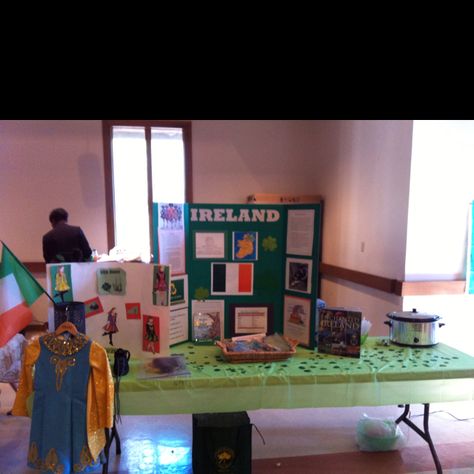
pixel 73 402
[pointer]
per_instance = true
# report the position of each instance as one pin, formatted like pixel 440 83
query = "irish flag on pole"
pixel 18 291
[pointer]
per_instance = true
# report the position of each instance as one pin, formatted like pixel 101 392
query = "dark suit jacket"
pixel 66 243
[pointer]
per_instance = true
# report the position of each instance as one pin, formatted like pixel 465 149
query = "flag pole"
pixel 27 271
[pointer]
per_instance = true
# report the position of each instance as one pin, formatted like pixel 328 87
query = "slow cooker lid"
pixel 413 316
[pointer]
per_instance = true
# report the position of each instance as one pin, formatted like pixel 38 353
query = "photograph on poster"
pixel 250 319
pixel 245 245
pixel 209 245
pixel 298 274
pixel 151 334
pixel 297 323
pixel 61 282
pixel 179 292
pixel 171 237
pixel 207 321
pixel 170 216
pixel 132 310
pixel 111 281
pixel 93 306
pixel 161 279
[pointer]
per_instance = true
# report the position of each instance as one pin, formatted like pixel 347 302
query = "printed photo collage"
pixel 231 274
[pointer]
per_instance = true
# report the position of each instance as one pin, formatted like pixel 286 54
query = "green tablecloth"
pixel 384 375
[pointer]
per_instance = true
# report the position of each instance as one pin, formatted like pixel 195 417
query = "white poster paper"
pixel 171 250
pixel 250 320
pixel 297 323
pixel 300 232
pixel 179 326
pixel 209 244
pixel 139 290
pixel 171 246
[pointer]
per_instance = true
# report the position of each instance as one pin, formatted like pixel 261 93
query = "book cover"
pixel 206 327
pixel 339 331
pixel 159 367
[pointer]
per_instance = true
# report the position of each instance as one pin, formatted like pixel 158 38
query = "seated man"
pixel 65 243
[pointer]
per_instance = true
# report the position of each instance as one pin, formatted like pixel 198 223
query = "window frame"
pixel 107 126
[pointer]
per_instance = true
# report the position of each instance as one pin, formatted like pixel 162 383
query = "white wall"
pixel 442 175
pixel 235 158
pixel 59 163
pixel 46 164
pixel 56 163
pixel 363 172
pixel 361 167
pixel 442 172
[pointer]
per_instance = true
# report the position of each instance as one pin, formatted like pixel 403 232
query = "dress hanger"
pixel 66 326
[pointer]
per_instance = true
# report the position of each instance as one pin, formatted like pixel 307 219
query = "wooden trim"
pixel 188 162
pixel 150 185
pixel 453 287
pixel 109 194
pixel 263 198
pixel 186 127
pixel 388 285
pixel 396 287
pixel 35 267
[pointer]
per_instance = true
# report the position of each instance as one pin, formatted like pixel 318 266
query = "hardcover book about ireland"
pixel 339 331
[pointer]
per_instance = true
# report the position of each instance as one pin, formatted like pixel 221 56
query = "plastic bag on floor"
pixel 378 434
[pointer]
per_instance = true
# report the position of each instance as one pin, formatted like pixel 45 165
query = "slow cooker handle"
pixel 388 323
pixel 441 324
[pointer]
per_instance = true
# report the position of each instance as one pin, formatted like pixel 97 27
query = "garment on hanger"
pixel 73 403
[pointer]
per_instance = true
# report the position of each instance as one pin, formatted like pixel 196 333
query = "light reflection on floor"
pixel 166 457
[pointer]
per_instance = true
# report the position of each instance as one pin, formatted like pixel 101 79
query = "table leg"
pixel 108 441
pixel 424 434
pixel 118 449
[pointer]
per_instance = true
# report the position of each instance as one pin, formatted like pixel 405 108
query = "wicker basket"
pixel 253 356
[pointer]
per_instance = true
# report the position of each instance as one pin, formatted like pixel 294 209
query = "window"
pixel 145 162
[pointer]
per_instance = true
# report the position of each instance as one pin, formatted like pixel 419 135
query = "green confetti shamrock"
pixel 201 293
pixel 269 244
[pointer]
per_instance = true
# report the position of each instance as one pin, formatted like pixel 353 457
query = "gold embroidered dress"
pixel 73 402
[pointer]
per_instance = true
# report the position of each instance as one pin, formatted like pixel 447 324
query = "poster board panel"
pixel 266 225
pixel 139 289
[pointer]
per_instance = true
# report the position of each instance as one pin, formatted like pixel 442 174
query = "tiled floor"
pixel 296 442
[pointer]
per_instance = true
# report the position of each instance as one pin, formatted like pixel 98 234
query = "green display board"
pixel 228 230
pixel 237 253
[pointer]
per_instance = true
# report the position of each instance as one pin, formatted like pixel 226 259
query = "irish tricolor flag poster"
pixel 18 291
pixel 232 279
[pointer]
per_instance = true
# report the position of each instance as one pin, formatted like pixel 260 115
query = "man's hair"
pixel 58 214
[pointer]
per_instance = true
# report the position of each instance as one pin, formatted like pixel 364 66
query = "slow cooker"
pixel 413 329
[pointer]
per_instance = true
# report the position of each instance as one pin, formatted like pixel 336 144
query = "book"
pixel 339 331
pixel 206 327
pixel 160 367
